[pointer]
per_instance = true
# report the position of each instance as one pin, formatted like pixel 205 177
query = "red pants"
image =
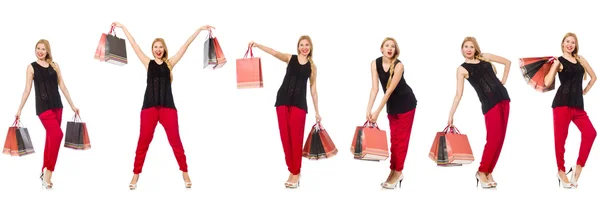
pixel 291 128
pixel 51 120
pixel 496 121
pixel 562 119
pixel 400 129
pixel 149 119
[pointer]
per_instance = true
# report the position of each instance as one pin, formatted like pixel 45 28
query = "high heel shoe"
pixel 573 180
pixel 566 185
pixel 188 184
pixel 45 184
pixel 291 185
pixel 398 183
pixel 132 186
pixel 485 185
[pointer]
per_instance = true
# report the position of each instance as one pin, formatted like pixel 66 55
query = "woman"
pixel 291 105
pixel 495 102
pixel 46 77
pixel 400 103
pixel 159 105
pixel 568 105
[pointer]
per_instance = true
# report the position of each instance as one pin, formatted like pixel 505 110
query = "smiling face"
pixel 304 47
pixel 40 51
pixel 569 44
pixel 158 49
pixel 389 48
pixel 468 50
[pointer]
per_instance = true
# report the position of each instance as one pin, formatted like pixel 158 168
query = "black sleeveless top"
pixel 402 98
pixel 158 86
pixel 570 91
pixel 45 83
pixel 488 87
pixel 293 89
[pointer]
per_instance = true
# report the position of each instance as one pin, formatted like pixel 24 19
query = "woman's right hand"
pixel 451 121
pixel 117 24
pixel 252 44
pixel 369 116
pixel 18 115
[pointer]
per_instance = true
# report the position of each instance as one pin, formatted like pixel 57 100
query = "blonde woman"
pixel 495 102
pixel 45 76
pixel 291 105
pixel 159 105
pixel 568 106
pixel 400 102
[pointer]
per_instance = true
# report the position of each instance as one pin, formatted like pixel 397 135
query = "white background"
pixel 231 137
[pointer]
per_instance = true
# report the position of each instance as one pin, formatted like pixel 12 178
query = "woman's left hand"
pixel 318 118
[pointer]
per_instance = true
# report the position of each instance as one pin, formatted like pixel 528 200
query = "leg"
pixel 400 130
pixel 51 120
pixel 148 122
pixel 504 113
pixel 284 131
pixel 494 128
pixel 169 120
pixel 562 120
pixel 588 135
pixel 297 121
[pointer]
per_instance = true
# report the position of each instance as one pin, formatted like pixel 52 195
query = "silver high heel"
pixel 45 184
pixel 572 178
pixel 291 185
pixel 566 185
pixel 485 185
pixel 398 183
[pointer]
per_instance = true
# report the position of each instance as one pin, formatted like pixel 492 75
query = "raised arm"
pixel 374 88
pixel 501 60
pixel 27 91
pixel 143 58
pixel 175 58
pixel 461 74
pixel 589 71
pixel 313 92
pixel 281 56
pixel 549 79
pixel 398 70
pixel 63 88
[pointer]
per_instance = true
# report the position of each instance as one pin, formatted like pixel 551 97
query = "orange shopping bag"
pixel 318 144
pixel 369 143
pixel 249 71
pixel 451 148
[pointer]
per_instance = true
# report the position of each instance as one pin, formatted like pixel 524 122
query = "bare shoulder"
pixel 29 68
pixel 461 71
pixel 582 59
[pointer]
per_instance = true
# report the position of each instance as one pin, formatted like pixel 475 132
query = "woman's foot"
pixel 563 180
pixel 186 179
pixel 394 180
pixel 294 182
pixel 491 180
pixel 289 180
pixel 575 173
pixel 46 176
pixel 134 180
pixel 483 180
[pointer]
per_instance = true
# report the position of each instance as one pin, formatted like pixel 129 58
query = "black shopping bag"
pixel 116 50
pixel 210 55
pixel 74 134
pixel 24 141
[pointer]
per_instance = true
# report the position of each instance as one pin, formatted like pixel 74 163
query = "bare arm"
pixel 398 70
pixel 461 73
pixel 313 90
pixel 549 79
pixel 374 87
pixel 143 58
pixel 27 91
pixel 63 87
pixel 501 60
pixel 175 58
pixel 589 71
pixel 281 56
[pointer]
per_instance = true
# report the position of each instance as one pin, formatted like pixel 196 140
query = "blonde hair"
pixel 309 57
pixel 394 57
pixel 477 50
pixel 165 56
pixel 575 51
pixel 48 57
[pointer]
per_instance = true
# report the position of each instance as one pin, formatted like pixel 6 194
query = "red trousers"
pixel 51 120
pixel 496 121
pixel 291 128
pixel 149 119
pixel 562 119
pixel 400 129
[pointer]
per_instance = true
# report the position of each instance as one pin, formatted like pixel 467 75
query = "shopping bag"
pixel 76 136
pixel 111 49
pixel 249 71
pixel 101 48
pixel 213 53
pixel 18 141
pixel 451 148
pixel 318 144
pixel 370 143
